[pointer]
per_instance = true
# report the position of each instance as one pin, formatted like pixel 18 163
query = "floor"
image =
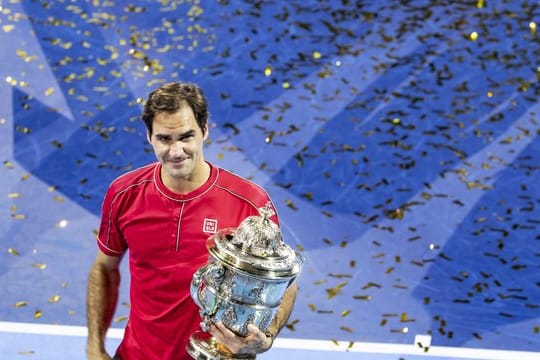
pixel 399 141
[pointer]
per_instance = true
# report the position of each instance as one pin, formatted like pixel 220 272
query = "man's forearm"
pixel 284 311
pixel 102 296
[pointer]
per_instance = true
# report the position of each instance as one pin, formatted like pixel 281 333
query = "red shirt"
pixel 166 236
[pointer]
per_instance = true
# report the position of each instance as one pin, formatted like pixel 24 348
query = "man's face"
pixel 178 144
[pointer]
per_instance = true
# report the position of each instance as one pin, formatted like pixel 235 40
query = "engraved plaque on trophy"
pixel 248 272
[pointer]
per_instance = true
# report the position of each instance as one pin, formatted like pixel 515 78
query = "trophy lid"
pixel 256 247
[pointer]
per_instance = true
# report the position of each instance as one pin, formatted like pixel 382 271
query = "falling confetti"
pixel 376 148
pixel 54 299
pixel 13 252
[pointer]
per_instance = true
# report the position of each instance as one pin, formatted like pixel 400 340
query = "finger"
pixel 221 332
pixel 225 337
pixel 215 331
pixel 256 334
pixel 224 330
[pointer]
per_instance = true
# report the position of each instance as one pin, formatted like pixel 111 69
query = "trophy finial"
pixel 266 212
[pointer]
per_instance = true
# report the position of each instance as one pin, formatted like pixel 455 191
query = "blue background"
pixel 402 154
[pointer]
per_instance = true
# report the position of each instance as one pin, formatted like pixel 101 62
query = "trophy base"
pixel 201 347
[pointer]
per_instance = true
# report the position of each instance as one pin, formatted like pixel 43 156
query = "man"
pixel 163 213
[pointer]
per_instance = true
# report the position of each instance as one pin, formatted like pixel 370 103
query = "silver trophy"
pixel 247 274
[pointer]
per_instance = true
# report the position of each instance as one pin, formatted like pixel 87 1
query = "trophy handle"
pixel 214 274
pixel 195 284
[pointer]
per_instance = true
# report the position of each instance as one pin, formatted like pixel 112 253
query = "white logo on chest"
pixel 210 226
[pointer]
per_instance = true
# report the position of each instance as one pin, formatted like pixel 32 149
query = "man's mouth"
pixel 177 160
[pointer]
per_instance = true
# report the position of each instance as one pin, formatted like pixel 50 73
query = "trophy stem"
pixel 201 347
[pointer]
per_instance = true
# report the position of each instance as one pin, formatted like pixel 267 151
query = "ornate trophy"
pixel 249 270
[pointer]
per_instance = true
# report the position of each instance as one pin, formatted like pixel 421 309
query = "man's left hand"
pixel 254 342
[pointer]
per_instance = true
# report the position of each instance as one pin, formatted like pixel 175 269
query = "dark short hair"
pixel 172 97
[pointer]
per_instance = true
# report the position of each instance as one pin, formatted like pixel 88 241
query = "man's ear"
pixel 205 133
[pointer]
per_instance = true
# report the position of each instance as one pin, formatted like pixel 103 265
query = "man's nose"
pixel 177 148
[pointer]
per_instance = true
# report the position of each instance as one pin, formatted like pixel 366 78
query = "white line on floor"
pixel 422 349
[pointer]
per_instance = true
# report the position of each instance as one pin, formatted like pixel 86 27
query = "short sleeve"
pixel 110 240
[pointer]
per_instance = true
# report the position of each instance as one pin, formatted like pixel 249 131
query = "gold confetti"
pixel 317 55
pixel 327 213
pixel 473 36
pixel 371 284
pixel 39 266
pixel 37 314
pixel 325 311
pixel 11 81
pixel 49 91
pixel 21 53
pixel 8 28
pixel 19 304
pixel 291 324
pixel 120 319
pixel 336 290
pixel 12 251
pixel 290 204
pixel 56 144
pixel 269 138
pixel 54 299
pixel 27 352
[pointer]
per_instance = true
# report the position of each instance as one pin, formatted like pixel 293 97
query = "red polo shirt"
pixel 166 234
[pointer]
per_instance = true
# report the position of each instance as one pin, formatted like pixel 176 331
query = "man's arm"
pixel 256 340
pixel 102 296
pixel 282 315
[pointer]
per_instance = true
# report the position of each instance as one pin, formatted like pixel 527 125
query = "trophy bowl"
pixel 248 272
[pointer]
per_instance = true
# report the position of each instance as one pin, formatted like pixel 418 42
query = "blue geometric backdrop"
pixel 398 139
